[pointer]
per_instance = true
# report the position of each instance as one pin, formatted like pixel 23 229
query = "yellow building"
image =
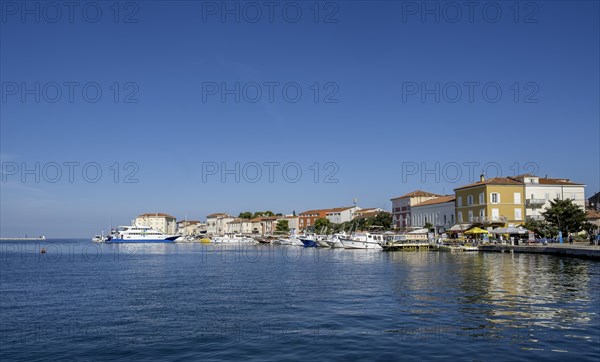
pixel 494 202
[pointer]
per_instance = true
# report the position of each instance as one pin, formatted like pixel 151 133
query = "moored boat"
pixel 139 234
pixel 363 241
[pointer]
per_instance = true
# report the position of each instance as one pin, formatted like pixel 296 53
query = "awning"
pixel 476 230
pixel 460 227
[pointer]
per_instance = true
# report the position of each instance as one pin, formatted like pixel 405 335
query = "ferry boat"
pixel 139 234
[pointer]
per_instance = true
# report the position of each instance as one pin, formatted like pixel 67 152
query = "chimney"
pixel 481 178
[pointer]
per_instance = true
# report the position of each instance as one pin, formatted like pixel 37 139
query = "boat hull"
pixel 309 243
pixel 168 240
pixel 357 244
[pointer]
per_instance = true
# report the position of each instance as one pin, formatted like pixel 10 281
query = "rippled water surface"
pixel 81 300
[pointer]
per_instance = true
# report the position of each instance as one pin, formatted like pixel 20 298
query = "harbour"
pixel 221 302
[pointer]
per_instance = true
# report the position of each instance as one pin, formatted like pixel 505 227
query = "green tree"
pixel 321 225
pixel 263 213
pixel 428 226
pixel 540 227
pixel 283 226
pixel 565 216
pixel 245 215
pixel 383 219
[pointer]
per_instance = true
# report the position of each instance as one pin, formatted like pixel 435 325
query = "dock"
pixel 408 246
pixel 580 250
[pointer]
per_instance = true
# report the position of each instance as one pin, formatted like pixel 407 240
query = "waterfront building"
pixel 401 207
pixel 439 212
pixel 368 212
pixel 539 191
pixel 491 202
pixel 190 227
pixel 339 215
pixel 292 223
pixel 593 217
pixel 216 224
pixel 594 202
pixel 158 221
pixel 307 218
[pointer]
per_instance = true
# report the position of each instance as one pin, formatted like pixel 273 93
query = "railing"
pixel 489 219
pixel 535 202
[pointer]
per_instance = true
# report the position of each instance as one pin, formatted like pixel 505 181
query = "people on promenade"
pixel 571 238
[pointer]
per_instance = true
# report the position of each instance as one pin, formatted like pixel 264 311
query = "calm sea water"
pixel 192 301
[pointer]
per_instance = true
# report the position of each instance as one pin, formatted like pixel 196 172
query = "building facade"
pixel 439 212
pixel 540 191
pixel 594 202
pixel 158 221
pixel 190 227
pixel 307 218
pixel 339 215
pixel 493 202
pixel 401 207
pixel 216 224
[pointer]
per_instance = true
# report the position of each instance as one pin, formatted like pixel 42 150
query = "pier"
pixel 409 246
pixel 580 250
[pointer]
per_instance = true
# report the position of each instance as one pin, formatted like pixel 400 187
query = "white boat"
pixel 139 234
pixel 322 241
pixel 233 239
pixel 363 241
pixel 335 242
pixel 98 239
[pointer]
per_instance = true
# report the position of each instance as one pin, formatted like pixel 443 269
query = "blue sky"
pixel 374 124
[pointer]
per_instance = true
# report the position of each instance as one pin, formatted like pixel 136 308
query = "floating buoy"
pixel 43 251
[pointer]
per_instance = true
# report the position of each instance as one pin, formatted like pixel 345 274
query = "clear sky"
pixel 388 90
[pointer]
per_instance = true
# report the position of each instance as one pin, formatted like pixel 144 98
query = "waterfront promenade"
pixel 582 249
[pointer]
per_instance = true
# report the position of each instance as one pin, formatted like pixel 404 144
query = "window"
pixel 459 201
pixel 481 198
pixel 517 197
pixel 460 218
pixel 495 198
pixel 470 215
pixel 518 215
pixel 470 200
pixel 481 214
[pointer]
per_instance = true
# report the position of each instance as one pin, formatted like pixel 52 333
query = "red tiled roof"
pixel 157 214
pixel 437 200
pixel 592 215
pixel 316 211
pixel 557 181
pixel 217 214
pixel 416 193
pixel 546 180
pixel 493 181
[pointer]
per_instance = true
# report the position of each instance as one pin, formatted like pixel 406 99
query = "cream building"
pixel 164 223
pixel 216 224
pixel 401 207
pixel 439 212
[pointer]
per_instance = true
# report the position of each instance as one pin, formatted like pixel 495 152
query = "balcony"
pixel 535 203
pixel 489 220
pixel 535 217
